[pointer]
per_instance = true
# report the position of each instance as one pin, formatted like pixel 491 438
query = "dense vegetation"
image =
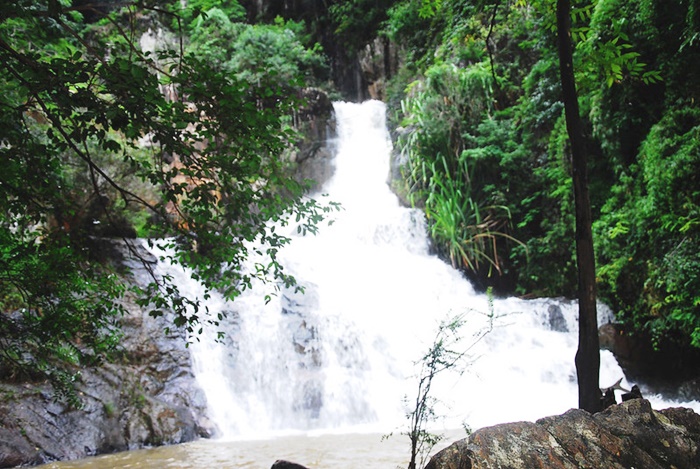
pixel 108 132
pixel 482 129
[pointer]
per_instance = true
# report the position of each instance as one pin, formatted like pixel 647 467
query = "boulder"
pixel 282 464
pixel 628 435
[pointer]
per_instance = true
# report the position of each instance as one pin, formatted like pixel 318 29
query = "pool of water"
pixel 337 451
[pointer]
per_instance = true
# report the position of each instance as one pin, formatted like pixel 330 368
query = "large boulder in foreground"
pixel 629 435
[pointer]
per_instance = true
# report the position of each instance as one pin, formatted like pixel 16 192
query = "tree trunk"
pixel 588 354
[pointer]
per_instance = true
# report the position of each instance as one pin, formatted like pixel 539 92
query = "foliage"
pixel 257 54
pixel 196 10
pixel 95 133
pixel 440 357
pixel 650 240
pixel 418 33
pixel 442 171
pixel 102 138
pixel 501 142
pixel 356 21
pixel 62 308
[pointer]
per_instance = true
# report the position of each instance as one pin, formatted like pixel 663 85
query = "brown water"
pixel 348 451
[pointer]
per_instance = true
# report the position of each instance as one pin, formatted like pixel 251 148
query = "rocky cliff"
pixel 147 396
pixel 629 435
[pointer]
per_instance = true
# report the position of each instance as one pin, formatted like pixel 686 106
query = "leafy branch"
pixel 91 143
pixel 443 354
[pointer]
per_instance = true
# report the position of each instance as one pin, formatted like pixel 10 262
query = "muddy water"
pixel 341 451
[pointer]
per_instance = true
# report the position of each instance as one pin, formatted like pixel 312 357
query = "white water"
pixel 341 358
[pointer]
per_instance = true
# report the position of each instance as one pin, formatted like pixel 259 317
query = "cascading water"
pixel 342 356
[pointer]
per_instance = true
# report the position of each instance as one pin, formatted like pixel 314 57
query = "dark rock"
pixel 683 417
pixel 316 123
pixel 608 398
pixel 635 393
pixel 688 390
pixel 608 394
pixel 557 321
pixel 14 450
pixel 669 369
pixel 623 436
pixel 282 464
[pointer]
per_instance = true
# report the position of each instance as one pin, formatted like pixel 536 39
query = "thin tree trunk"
pixel 588 354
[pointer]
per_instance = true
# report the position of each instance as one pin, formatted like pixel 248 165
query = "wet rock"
pixel 373 59
pixel 608 398
pixel 635 393
pixel 557 321
pixel 15 450
pixel 300 303
pixel 671 370
pixel 316 123
pixel 299 310
pixel 282 464
pixel 607 336
pixel 313 398
pixel 623 436
pixel 689 390
pixel 305 340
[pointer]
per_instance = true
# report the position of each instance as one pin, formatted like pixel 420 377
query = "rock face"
pixel 147 396
pixel 316 122
pixel 673 371
pixel 629 435
pixel 377 62
pixel 359 74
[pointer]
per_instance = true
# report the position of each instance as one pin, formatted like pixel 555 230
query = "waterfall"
pixel 342 356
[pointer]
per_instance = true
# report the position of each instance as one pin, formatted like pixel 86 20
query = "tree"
pixel 588 353
pixel 103 138
pixel 442 355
